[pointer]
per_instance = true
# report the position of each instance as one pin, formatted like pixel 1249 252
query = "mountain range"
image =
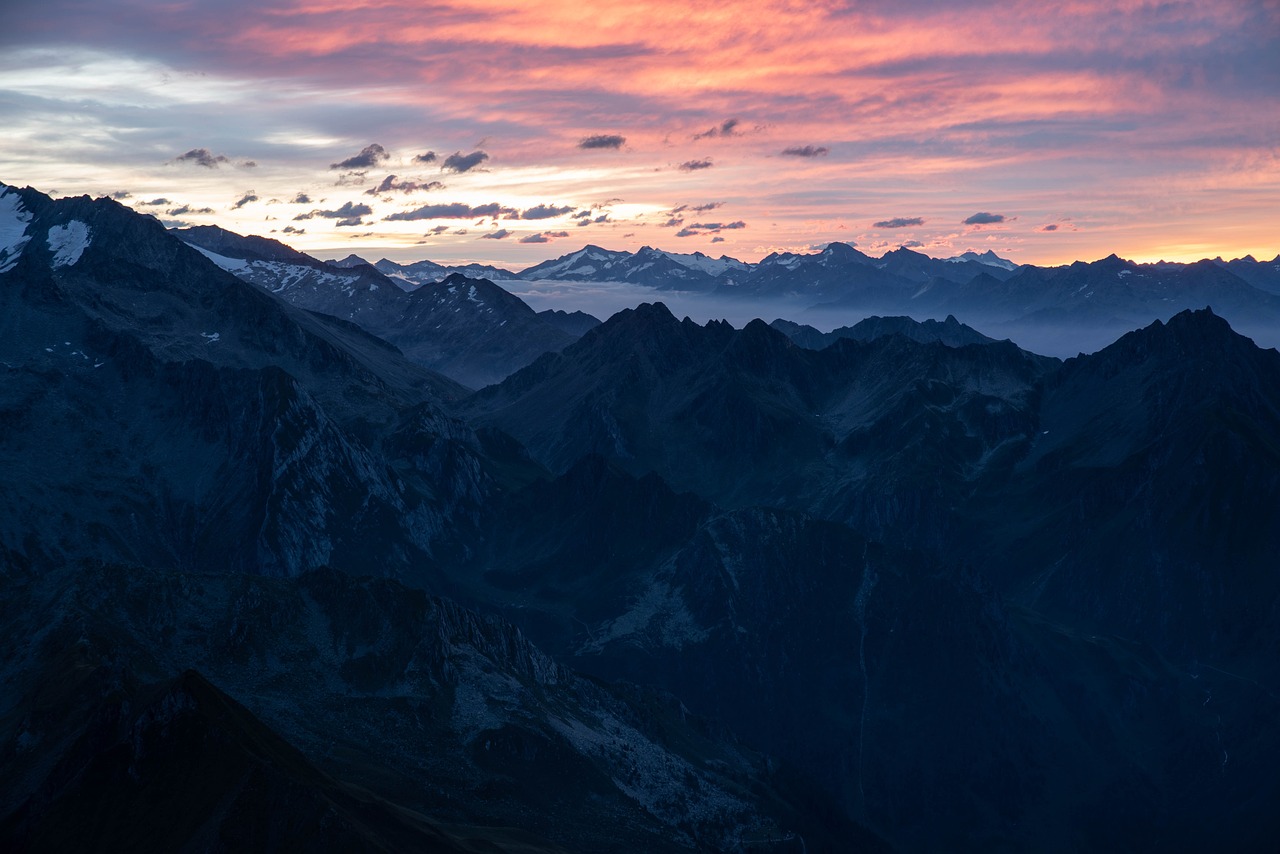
pixel 268 578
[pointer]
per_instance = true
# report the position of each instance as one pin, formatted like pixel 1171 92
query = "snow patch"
pixel 231 265
pixel 68 242
pixel 14 219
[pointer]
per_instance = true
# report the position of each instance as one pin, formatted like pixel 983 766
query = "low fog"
pixel 1062 340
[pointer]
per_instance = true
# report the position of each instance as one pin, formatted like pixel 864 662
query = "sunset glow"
pixel 1151 130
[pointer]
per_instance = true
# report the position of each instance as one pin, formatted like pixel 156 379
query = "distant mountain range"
pixel 268 579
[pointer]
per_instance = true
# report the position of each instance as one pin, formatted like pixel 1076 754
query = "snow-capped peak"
pixel 988 258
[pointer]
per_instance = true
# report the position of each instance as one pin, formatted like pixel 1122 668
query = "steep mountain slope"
pixel 470 330
pixel 408 699
pixel 158 410
pixel 1148 500
pixel 929 709
pixel 884 434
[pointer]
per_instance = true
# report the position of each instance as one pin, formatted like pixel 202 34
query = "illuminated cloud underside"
pixel 1145 129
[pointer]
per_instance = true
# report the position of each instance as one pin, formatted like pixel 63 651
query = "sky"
pixel 512 131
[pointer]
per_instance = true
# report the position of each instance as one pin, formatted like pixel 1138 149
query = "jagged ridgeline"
pixel 272 575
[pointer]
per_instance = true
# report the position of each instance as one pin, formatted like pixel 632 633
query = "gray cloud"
pixel 248 164
pixel 806 151
pixel 349 213
pixel 694 165
pixel 725 128
pixel 582 215
pixel 709 206
pixel 369 156
pixel 301 199
pixel 698 228
pixel 439 229
pixel 390 184
pixel 899 222
pixel 459 162
pixel 202 157
pixel 984 218
pixel 289 229
pixel 248 197
pixel 535 238
pixel 121 194
pixel 155 203
pixel 545 212
pixel 717 240
pixel 912 244
pixel 187 209
pixel 451 210
pixel 349 222
pixel 602 140
pixel 500 234
pixel 427 157
pixel 1050 227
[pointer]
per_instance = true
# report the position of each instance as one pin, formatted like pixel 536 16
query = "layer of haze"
pixel 510 132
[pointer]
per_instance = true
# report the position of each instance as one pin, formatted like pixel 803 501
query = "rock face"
pixel 414 717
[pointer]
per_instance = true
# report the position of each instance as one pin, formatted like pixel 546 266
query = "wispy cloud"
pixel 452 210
pixel 695 165
pixel 899 222
pixel 806 151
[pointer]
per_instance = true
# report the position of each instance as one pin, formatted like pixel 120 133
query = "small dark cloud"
pixel 500 234
pixel 349 222
pixel 426 157
pixel 717 240
pixel 726 128
pixel 248 197
pixel 459 162
pixel 984 218
pixel 699 228
pixel 674 222
pixel 451 210
pixel 899 222
pixel 121 194
pixel 248 164
pixel 369 156
pixel 349 179
pixel 535 238
pixel 155 203
pixel 460 231
pixel 806 151
pixel 202 157
pixel 439 229
pixel 545 212
pixel 602 140
pixel 183 210
pixel 391 185
pixel 694 165
pixel 289 229
pixel 912 244
pixel 582 215
pixel 349 214
pixel 301 199
pixel 709 206
pixel 1053 226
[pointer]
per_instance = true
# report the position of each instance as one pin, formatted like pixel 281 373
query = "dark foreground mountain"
pixel 468 329
pixel 933 711
pixel 422 726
